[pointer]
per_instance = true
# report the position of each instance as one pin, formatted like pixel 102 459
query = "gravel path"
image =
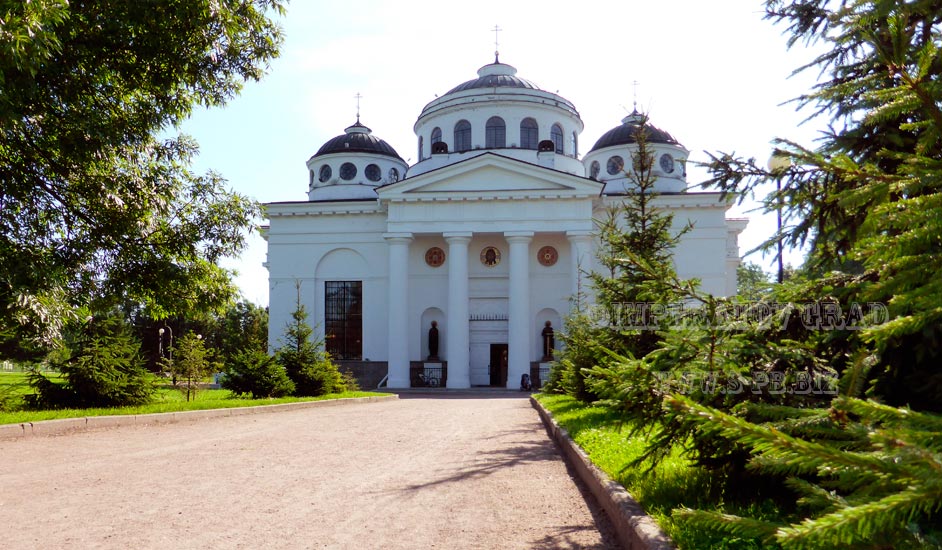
pixel 455 471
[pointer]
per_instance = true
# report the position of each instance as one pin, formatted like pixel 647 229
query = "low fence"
pixel 422 376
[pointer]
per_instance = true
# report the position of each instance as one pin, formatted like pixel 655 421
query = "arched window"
pixel 594 170
pixel 421 157
pixel 529 134
pixel 436 135
pixel 495 133
pixel 556 134
pixel 462 135
pixel 575 146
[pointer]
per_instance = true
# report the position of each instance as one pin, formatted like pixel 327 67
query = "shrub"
pixel 256 373
pixel 102 368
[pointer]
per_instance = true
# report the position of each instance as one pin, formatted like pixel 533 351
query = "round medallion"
pixel 435 256
pixel 490 256
pixel 547 256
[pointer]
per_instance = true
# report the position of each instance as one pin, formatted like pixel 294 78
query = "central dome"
pixel 495 75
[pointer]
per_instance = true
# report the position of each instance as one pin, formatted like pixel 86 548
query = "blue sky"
pixel 713 74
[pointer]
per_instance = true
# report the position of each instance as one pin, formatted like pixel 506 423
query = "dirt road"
pixel 420 472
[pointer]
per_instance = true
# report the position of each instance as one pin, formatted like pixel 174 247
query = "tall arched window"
pixel 463 135
pixel 495 133
pixel 436 135
pixel 529 134
pixel 556 134
pixel 575 145
pixel 421 157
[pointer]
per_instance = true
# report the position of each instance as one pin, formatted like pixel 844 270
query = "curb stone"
pixel 635 529
pixel 71 425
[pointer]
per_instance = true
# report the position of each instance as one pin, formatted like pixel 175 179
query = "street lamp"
pixel 778 164
pixel 160 341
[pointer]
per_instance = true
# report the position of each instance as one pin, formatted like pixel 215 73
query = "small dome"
pixel 626 131
pixel 495 75
pixel 357 139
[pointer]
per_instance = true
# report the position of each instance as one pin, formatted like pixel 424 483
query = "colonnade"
pixel 457 330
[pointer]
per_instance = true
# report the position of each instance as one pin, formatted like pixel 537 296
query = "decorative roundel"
pixel 393 175
pixel 490 256
pixel 594 169
pixel 325 173
pixel 615 164
pixel 547 256
pixel 348 171
pixel 435 256
pixel 373 173
pixel 667 163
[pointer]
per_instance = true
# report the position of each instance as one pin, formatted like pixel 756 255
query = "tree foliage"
pixel 635 257
pixel 192 363
pixel 305 361
pixel 256 373
pixel 93 204
pixel 101 366
pixel 868 198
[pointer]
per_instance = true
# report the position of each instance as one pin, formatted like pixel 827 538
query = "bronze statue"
pixel 549 341
pixel 433 342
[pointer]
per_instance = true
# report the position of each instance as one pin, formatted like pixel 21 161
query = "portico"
pixel 487 264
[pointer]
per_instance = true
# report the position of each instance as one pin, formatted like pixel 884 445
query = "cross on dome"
pixel 496 30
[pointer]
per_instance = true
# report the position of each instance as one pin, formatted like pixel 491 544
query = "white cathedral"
pixel 486 237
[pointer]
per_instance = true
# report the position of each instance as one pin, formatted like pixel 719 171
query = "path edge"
pixel 635 529
pixel 70 425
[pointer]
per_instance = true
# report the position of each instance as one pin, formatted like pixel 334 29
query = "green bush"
pixel 255 373
pixel 102 368
pixel 312 378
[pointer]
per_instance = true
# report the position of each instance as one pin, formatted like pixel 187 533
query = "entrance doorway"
pixel 498 365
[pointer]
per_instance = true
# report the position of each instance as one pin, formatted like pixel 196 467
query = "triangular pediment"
pixel 490 176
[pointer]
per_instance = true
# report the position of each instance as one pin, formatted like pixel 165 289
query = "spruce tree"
pixel 868 198
pixel 635 253
pixel 308 366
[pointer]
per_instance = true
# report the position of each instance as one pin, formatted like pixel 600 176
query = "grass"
pixel 168 399
pixel 673 483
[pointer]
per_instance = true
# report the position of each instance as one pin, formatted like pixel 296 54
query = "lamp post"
pixel 778 164
pixel 160 341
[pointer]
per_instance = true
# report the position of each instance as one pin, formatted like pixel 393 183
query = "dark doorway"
pixel 498 366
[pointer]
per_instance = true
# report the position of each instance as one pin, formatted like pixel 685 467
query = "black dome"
pixel 625 133
pixel 357 139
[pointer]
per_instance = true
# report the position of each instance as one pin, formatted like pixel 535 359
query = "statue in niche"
pixel 549 341
pixel 433 342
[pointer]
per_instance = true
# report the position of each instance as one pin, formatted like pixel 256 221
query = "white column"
pixel 581 261
pixel 398 350
pixel 457 331
pixel 518 353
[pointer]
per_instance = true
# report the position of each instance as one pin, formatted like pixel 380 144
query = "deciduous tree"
pixel 93 202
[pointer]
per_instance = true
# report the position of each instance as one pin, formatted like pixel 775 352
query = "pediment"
pixel 490 176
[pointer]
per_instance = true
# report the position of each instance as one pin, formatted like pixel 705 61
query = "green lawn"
pixel 673 483
pixel 168 399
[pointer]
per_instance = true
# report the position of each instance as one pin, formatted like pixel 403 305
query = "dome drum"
pixel 352 165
